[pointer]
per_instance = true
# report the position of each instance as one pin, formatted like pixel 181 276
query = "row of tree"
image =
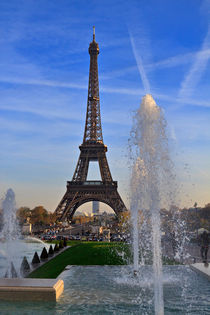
pixel 193 218
pixel 37 216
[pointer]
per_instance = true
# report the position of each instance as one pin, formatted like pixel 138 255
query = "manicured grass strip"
pixel 82 254
pixel 69 243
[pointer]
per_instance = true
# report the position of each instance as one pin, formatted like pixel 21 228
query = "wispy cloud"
pixel 191 127
pixel 117 73
pixel 48 106
pixel 174 61
pixel 197 69
pixel 140 66
pixel 170 62
pixel 70 85
pixel 127 91
pixel 49 83
pixel 50 129
pixel 179 102
pixel 54 104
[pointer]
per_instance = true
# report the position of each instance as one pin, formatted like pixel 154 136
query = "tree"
pixel 23 213
pixel 124 222
pixel 39 215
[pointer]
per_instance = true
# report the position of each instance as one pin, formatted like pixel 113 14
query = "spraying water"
pixel 10 233
pixel 13 246
pixel 10 229
pixel 151 177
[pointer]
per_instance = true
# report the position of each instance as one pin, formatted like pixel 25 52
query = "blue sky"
pixel 161 47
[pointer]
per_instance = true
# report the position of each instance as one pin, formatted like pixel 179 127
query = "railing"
pixel 92 182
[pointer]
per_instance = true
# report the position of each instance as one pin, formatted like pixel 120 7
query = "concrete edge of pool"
pixel 30 289
pixel 202 269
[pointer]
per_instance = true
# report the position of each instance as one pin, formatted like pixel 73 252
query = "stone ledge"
pixel 31 289
pixel 202 269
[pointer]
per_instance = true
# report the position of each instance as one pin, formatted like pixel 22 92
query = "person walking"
pixel 204 242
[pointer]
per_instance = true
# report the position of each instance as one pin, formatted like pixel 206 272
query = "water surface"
pixel 113 290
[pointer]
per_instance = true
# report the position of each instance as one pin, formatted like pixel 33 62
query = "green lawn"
pixel 85 253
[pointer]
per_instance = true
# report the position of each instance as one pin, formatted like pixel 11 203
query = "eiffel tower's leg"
pixel 66 207
pixel 81 171
pixel 114 200
pixel 104 169
pixel 61 207
pixel 70 209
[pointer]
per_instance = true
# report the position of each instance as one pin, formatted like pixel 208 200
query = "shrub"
pixel 13 271
pixel 64 242
pixel 35 259
pixel 51 251
pixel 44 254
pixel 56 248
pixel 6 274
pixel 61 244
pixel 25 267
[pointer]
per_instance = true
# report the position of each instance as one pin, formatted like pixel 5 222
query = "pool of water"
pixel 114 290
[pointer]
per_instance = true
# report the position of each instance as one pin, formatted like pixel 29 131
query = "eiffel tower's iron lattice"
pixel 79 189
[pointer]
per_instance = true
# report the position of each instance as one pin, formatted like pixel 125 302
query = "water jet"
pixel 150 183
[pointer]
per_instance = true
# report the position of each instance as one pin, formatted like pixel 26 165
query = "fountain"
pixel 14 285
pixel 151 185
pixel 10 233
pixel 13 246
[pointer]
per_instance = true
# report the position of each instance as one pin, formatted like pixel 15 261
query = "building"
pixel 95 209
pixel 26 228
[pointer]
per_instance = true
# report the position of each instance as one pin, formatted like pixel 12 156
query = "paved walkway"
pixel 191 252
pixel 202 268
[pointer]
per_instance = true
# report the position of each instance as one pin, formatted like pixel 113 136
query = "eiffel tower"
pixel 79 189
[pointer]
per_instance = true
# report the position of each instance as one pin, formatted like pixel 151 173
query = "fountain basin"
pixel 114 290
pixel 30 289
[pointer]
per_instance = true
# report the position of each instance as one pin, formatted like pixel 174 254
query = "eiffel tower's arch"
pixel 79 189
pixel 75 205
pixel 88 207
